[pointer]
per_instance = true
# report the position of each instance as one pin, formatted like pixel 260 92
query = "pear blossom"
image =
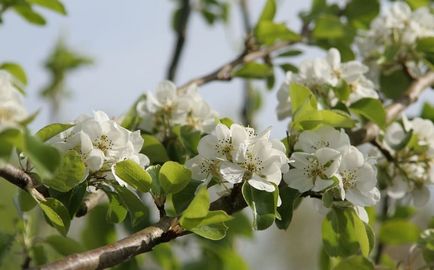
pixel 238 154
pixel 313 171
pixel 321 75
pixel 414 170
pixel 357 179
pixel 102 143
pixel 325 136
pixel 399 27
pixel 12 110
pixel 170 106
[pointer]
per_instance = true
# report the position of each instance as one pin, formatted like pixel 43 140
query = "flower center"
pixel 348 179
pixel 103 143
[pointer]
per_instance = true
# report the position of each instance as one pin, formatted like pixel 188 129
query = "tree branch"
pixel 181 30
pixel 90 202
pixel 370 131
pixel 224 73
pixel 22 180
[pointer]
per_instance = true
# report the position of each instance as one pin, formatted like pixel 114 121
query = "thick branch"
pixel 370 131
pixel 181 30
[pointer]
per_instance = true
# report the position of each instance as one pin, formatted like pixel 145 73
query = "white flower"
pixel 12 110
pixel 238 154
pixel 322 74
pixel 357 179
pixel 102 143
pixel 310 141
pixel 170 106
pixel 313 171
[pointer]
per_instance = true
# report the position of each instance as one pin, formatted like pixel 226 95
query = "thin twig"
pixel 181 31
pixel 90 202
pixel 383 216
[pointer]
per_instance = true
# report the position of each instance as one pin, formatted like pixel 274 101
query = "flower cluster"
pixel 238 154
pixel 101 143
pixel 12 110
pixel 395 31
pixel 322 76
pixel 325 159
pixel 171 106
pixel 414 169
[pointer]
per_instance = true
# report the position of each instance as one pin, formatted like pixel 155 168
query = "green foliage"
pixel 182 199
pixel 328 27
pixel 427 111
pixel 263 205
pixel 64 245
pixel 70 173
pixel 426 47
pixel 354 262
pixel 360 13
pixel 136 209
pixel 116 212
pixel 394 84
pixel 174 177
pixel 153 149
pixel 253 70
pixel 268 11
pixel 6 241
pixel 399 231
pixel 165 257
pixel 53 5
pixel 51 130
pixel 56 214
pixel 25 201
pixel 426 243
pixel 290 200
pixel 372 109
pixel 344 234
pixel 17 71
pixel 268 32
pixel 134 175
pixel 95 232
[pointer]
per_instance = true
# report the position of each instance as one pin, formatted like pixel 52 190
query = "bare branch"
pixel 22 180
pixel 90 202
pixel 370 131
pixel 224 73
pixel 181 30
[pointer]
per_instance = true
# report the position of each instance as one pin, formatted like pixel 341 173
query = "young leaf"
pixel 174 177
pixel 54 5
pixel 135 206
pixel 198 208
pixel 212 232
pixel 301 95
pixel 328 27
pixel 27 13
pixel 70 173
pixel 116 212
pixel 372 109
pixel 263 205
pixel 253 70
pixel 397 232
pixel 268 33
pixel 51 130
pixel 134 175
pixel 57 214
pixel 290 199
pixel 269 11
pixel 17 71
pixel 355 262
pixel 153 148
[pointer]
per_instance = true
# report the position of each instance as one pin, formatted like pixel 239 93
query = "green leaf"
pixel 174 177
pixel 213 217
pixel 154 172
pixel 165 257
pixel 70 173
pixel 154 149
pixel 415 4
pixel 6 241
pixel 263 205
pixel 198 208
pixel 53 5
pixel 134 175
pixel 355 262
pixel 395 83
pixel 64 245
pixel 10 139
pixel 51 130
pixel 26 12
pixel 96 231
pixel 427 111
pixel 25 201
pixel 269 11
pixel 189 137
pixel 182 199
pixel 253 70
pixel 290 199
pixel 360 13
pixel 328 27
pixel 312 119
pixel 57 214
pixel 397 232
pixel 116 212
pixel 212 232
pixel 290 53
pixel 301 96
pixel 372 109
pixel 17 71
pixel 226 121
pixel 45 158
pixel 268 33
pixel 134 205
pixel 344 234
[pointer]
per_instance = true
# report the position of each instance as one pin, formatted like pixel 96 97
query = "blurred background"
pixel 130 44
